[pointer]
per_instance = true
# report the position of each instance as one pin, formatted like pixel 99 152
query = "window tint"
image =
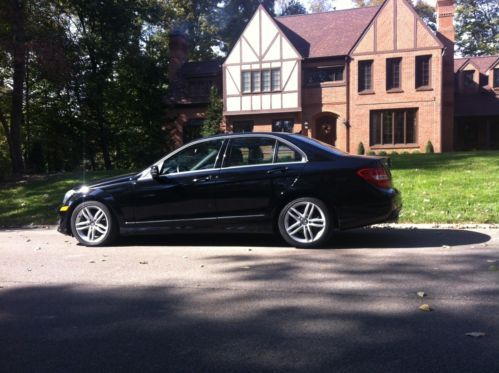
pixel 393 73
pixel 242 126
pixel 286 154
pixel 199 156
pixel 324 74
pixel 249 151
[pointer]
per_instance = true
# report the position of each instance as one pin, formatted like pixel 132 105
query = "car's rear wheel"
pixel 305 222
pixel 93 224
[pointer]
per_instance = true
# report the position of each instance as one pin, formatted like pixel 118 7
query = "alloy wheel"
pixel 92 224
pixel 305 222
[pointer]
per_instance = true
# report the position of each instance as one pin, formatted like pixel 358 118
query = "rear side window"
pixel 286 154
pixel 249 151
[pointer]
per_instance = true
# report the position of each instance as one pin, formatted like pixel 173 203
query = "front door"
pixel 185 190
pixel 325 129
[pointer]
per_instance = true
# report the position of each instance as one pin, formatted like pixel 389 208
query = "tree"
pixel 234 16
pixel 318 6
pixel 477 27
pixel 364 3
pixel 214 114
pixel 290 7
pixel 427 13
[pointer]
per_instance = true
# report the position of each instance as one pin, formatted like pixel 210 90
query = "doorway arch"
pixel 325 128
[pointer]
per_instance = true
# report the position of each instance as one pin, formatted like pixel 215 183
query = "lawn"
pixel 36 200
pixel 448 188
pixel 436 188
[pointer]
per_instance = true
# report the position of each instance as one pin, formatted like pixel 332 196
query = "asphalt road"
pixel 208 303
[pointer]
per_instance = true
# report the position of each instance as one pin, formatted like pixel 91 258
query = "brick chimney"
pixel 179 47
pixel 446 34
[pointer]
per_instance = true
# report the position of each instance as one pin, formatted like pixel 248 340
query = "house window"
pixel 255 81
pixel 242 126
pixel 276 79
pixel 246 81
pixel 324 74
pixel 393 73
pixel 496 78
pixel 468 80
pixel 423 71
pixel 266 80
pixel 192 130
pixel 283 125
pixel 365 76
pixel 199 88
pixel 393 127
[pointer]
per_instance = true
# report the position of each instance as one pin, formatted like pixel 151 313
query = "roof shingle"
pixel 326 34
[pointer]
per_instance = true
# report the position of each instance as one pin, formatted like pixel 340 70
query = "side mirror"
pixel 155 172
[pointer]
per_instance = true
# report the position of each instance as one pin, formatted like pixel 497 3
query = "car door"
pixel 184 191
pixel 244 188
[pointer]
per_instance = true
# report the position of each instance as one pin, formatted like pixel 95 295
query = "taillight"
pixel 376 176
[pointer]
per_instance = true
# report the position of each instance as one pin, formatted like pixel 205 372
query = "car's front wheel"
pixel 93 224
pixel 305 222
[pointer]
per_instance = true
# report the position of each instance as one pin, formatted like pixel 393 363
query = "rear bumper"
pixel 386 208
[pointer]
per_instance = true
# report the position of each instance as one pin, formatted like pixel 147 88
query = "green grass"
pixel 436 188
pixel 36 201
pixel 449 187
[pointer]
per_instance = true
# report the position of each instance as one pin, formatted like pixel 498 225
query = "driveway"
pixel 242 303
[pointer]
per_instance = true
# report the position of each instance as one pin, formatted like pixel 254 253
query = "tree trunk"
pixel 19 67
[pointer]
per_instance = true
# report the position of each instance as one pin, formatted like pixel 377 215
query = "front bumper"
pixel 64 220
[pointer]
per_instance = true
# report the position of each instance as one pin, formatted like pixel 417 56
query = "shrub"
pixel 416 152
pixel 360 149
pixel 382 153
pixel 405 152
pixel 394 153
pixel 370 152
pixel 429 147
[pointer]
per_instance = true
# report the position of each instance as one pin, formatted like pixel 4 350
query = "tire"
pixel 102 227
pixel 305 222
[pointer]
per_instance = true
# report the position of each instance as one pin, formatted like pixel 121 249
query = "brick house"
pixel 376 75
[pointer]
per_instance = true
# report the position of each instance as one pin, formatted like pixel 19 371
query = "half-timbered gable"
pixel 262 71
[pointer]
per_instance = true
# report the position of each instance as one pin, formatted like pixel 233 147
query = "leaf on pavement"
pixel 144 262
pixel 446 246
pixel 476 334
pixel 421 294
pixel 425 308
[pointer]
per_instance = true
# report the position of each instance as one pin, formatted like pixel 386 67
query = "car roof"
pixel 278 134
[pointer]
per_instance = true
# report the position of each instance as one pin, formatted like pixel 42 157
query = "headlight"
pixel 68 195
pixel 84 190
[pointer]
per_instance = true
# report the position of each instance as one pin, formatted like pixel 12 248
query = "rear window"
pixel 321 145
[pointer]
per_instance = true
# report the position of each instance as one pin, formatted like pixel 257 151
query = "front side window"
pixel 283 125
pixel 200 156
pixel 393 73
pixel 324 74
pixel 266 80
pixel 255 81
pixel 365 76
pixel 423 71
pixel 468 80
pixel 249 151
pixel 392 127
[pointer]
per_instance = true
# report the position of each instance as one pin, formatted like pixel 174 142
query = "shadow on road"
pixel 375 238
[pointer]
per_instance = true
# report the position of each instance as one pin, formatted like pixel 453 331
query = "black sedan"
pixel 250 183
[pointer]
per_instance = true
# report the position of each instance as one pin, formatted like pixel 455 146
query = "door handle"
pixel 277 170
pixel 201 179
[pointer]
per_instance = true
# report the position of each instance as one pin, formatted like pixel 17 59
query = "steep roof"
pixel 483 63
pixel 326 34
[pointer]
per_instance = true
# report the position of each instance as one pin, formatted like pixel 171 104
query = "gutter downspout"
pixel 347 117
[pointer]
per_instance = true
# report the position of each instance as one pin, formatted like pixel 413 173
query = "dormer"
pixel 262 72
pixel 469 78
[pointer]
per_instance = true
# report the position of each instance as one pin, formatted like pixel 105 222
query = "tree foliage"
pixel 364 3
pixel 427 13
pixel 290 7
pixel 477 27
pixel 318 6
pixel 213 115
